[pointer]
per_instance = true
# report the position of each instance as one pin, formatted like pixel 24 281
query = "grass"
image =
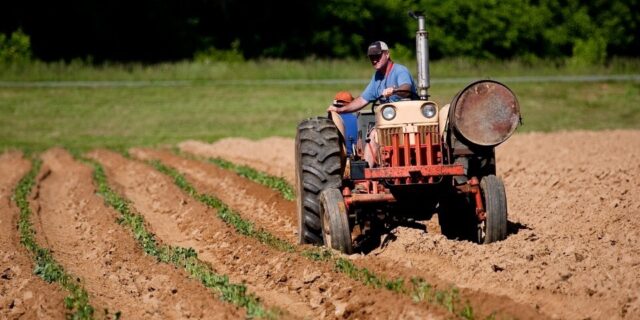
pixel 303 69
pixel 185 258
pixel 34 119
pixel 418 289
pixel 208 107
pixel 77 301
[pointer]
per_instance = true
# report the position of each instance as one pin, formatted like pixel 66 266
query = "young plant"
pixel 185 258
pixel 419 289
pixel 77 301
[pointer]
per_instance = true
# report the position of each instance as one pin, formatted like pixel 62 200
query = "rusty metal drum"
pixel 486 113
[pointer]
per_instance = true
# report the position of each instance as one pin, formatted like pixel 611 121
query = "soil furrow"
pixel 247 198
pixel 286 280
pixel 263 206
pixel 273 155
pixel 86 239
pixel 23 295
pixel 574 250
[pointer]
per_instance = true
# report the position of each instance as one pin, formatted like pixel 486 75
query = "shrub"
pixel 212 54
pixel 587 52
pixel 16 48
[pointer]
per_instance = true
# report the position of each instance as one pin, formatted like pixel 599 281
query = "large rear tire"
pixel 494 228
pixel 336 232
pixel 318 167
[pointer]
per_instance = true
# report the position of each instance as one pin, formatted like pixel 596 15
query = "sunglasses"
pixel 375 57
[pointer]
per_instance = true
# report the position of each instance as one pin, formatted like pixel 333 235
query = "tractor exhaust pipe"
pixel 422 55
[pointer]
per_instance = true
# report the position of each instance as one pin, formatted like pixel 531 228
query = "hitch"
pixel 473 187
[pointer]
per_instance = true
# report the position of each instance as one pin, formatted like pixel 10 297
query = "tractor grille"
pixel 386 134
pixel 433 130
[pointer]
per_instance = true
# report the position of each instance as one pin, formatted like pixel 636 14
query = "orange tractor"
pixel 427 160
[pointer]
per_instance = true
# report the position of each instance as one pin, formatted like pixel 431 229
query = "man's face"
pixel 379 61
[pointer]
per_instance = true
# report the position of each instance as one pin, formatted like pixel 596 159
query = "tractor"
pixel 427 160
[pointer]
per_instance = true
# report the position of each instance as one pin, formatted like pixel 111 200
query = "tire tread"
pixel 318 167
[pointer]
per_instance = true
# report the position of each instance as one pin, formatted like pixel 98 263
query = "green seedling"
pixel 77 300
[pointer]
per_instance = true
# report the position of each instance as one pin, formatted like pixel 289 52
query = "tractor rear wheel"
pixel 494 227
pixel 335 222
pixel 318 167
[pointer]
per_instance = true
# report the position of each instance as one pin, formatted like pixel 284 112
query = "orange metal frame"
pixel 414 171
pixel 410 164
pixel 417 163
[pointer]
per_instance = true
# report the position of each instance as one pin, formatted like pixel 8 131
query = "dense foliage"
pixel 589 31
pixel 15 48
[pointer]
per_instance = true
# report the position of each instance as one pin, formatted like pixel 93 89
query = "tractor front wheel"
pixel 494 227
pixel 336 232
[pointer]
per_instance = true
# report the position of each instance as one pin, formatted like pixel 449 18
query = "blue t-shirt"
pixel 398 75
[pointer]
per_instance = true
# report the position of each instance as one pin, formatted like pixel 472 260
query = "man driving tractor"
pixel 390 82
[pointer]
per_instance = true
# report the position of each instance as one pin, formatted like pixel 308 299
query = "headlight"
pixel 428 110
pixel 389 112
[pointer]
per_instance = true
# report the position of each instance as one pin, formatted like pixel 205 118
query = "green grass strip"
pixel 418 289
pixel 232 218
pixel 45 266
pixel 272 182
pixel 275 183
pixel 180 257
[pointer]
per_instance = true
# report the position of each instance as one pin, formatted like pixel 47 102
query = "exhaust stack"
pixel 422 56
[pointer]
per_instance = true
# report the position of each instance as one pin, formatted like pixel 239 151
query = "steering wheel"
pixel 376 102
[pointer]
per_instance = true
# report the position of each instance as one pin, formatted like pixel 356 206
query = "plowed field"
pixel 210 243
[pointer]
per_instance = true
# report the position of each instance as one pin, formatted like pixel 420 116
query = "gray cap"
pixel 377 48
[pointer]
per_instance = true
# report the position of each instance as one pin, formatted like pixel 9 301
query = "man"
pixel 391 81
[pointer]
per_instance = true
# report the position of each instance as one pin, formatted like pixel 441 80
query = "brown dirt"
pixel 287 281
pixel 260 155
pixel 268 210
pixel 22 294
pixel 572 253
pixel 86 239
pixel 574 211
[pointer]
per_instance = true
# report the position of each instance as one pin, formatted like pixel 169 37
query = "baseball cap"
pixel 344 96
pixel 376 48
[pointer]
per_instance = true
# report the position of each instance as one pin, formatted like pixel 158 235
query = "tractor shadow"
pixel 515 227
pixel 383 235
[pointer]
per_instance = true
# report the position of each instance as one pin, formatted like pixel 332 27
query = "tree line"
pixel 170 30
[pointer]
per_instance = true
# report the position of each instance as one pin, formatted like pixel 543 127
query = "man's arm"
pixel 403 91
pixel 355 105
pixel 402 81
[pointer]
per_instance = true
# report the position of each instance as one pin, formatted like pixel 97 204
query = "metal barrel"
pixel 485 113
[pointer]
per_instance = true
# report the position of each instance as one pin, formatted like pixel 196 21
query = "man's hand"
pixel 333 108
pixel 388 92
pixel 352 106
